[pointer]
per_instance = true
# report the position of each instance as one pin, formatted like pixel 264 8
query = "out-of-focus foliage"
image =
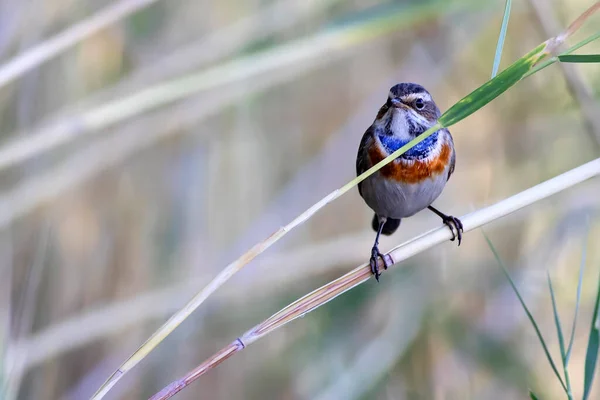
pixel 123 224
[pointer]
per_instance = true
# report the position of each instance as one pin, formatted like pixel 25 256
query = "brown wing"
pixel 362 158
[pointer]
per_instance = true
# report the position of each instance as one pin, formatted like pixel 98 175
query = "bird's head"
pixel 408 111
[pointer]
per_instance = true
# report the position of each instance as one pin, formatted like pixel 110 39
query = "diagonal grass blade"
pixel 529 315
pixel 532 396
pixel 561 340
pixel 580 58
pixel 591 356
pixel 579 284
pixel 501 37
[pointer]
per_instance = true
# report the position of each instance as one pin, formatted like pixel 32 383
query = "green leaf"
pixel 582 43
pixel 579 284
pixel 532 396
pixel 591 355
pixel 493 88
pixel 529 315
pixel 579 58
pixel 501 37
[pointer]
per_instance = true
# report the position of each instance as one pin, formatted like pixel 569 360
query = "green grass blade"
pixel 579 45
pixel 579 58
pixel 532 396
pixel 577 301
pixel 501 37
pixel 529 315
pixel 561 340
pixel 591 356
pixel 573 48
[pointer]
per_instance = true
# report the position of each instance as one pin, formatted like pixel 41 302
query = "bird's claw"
pixel 375 254
pixel 454 224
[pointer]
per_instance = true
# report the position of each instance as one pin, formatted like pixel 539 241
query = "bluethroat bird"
pixel 411 182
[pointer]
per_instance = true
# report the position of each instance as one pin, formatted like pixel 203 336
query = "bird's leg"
pixel 451 222
pixel 375 253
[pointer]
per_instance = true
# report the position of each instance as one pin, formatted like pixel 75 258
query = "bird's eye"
pixel 419 104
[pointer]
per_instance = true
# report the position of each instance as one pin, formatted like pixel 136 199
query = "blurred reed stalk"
pixel 481 96
pixel 575 80
pixel 52 47
pixel 363 273
pixel 15 366
pixel 218 45
pixel 81 330
pixel 310 50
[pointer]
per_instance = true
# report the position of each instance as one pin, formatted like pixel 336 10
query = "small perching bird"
pixel 411 182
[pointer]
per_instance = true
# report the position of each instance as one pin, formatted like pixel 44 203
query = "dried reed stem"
pixel 50 48
pixel 309 51
pixel 361 274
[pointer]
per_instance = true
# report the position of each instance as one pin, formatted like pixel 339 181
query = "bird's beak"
pixel 396 103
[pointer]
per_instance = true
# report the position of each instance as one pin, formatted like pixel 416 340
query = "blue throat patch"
pixel 421 150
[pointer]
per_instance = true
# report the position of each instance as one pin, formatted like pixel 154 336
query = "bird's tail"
pixel 389 227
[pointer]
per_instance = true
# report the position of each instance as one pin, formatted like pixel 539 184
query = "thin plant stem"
pixel 554 59
pixel 501 38
pixel 578 300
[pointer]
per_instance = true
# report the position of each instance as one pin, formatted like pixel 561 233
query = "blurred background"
pixel 142 158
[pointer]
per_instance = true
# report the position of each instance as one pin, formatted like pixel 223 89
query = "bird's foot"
pixel 454 224
pixel 375 254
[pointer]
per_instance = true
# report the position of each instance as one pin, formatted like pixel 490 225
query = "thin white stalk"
pixel 57 44
pixel 442 234
pixel 486 215
pixel 501 38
